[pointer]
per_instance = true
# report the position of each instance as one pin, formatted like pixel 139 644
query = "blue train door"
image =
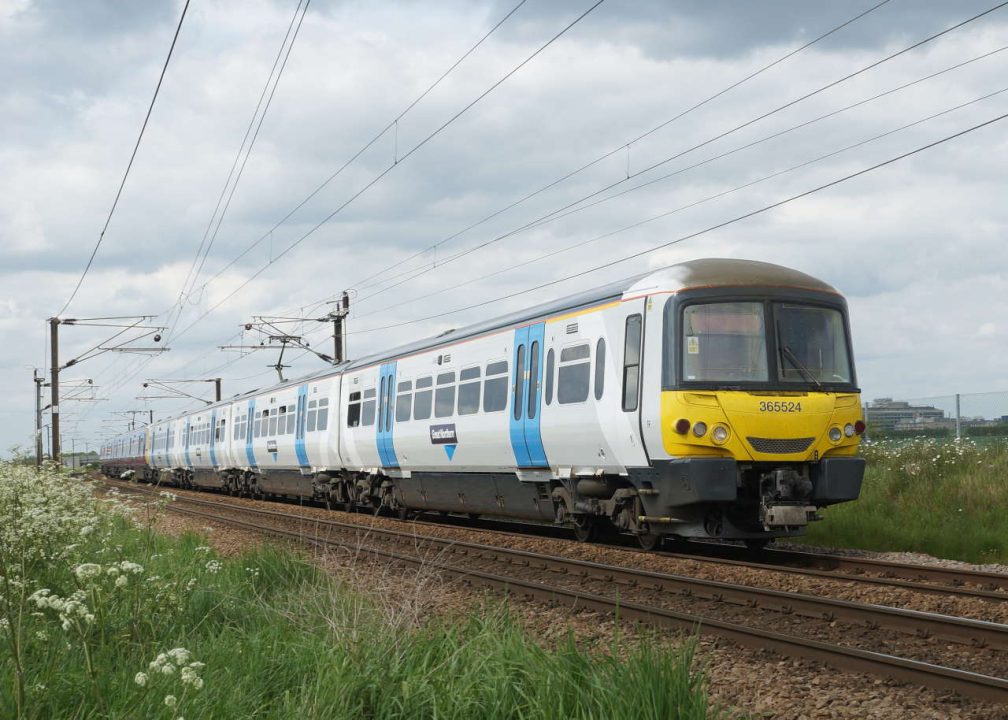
pixel 213 439
pixel 386 405
pixel 299 436
pixel 526 397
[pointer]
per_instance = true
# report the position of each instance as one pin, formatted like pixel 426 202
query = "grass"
pixel 269 635
pixel 944 498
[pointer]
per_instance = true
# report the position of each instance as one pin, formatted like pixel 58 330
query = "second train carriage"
pixel 716 398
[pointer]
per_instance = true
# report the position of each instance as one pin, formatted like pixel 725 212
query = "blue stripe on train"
pixel 248 434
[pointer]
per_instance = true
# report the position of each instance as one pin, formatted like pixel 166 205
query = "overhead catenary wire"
pixel 555 215
pixel 698 233
pixel 122 184
pixel 381 133
pixel 626 145
pixel 364 148
pixel 273 79
pixel 693 204
pixel 390 168
pixel 734 129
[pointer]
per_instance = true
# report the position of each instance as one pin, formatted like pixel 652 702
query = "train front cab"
pixel 759 414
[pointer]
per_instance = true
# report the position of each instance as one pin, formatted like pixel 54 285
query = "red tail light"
pixel 859 427
pixel 682 426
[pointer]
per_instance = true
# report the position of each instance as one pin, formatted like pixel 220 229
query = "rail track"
pixel 747 615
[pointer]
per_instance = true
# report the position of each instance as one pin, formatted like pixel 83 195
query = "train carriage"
pixel 716 398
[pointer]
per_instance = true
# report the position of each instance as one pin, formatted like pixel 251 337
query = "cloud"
pixel 917 246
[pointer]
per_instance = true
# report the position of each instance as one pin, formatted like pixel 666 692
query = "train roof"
pixel 692 274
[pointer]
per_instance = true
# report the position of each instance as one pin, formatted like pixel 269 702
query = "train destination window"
pixel 550 360
pixel 599 368
pixel 724 342
pixel 631 362
pixel 368 408
pixel 353 414
pixel 469 391
pixel 444 396
pixel 323 413
pixel 404 401
pixel 495 387
pixel 422 399
pixel 574 375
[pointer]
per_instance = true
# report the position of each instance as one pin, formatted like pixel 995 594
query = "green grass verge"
pixel 943 498
pixel 133 624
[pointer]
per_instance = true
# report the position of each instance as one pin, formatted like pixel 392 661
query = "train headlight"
pixel 700 429
pixel 835 434
pixel 848 430
pixel 720 434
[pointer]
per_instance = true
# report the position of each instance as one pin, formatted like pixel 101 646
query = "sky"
pixel 478 177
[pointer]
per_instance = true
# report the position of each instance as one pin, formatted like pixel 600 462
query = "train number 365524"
pixel 780 406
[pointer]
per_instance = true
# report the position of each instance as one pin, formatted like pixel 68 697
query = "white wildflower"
pixel 170 701
pixel 121 581
pixel 213 566
pixel 179 655
pixel 87 571
pixel 140 679
pixel 202 549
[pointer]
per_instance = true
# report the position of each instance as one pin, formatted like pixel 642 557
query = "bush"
pixel 942 498
pixel 103 617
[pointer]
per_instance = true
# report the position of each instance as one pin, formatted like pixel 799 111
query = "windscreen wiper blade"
pixel 805 372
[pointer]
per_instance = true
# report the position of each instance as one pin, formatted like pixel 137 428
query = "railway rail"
pixel 565 580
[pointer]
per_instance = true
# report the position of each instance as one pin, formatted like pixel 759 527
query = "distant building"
pixel 889 414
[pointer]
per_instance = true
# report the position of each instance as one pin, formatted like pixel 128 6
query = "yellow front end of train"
pixel 761 427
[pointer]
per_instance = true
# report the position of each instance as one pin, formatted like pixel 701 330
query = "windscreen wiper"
pixel 805 372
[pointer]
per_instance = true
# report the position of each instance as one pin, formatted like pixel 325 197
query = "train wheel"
pixel 585 528
pixel 649 541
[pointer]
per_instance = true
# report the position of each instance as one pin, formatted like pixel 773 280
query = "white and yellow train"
pixel 712 399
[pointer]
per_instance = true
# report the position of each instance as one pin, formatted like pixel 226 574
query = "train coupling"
pixel 790 515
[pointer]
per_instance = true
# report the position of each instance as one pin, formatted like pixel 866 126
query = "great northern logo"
pixel 445 435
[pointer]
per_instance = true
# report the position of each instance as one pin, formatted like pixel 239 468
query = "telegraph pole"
pixel 217 382
pixel 54 425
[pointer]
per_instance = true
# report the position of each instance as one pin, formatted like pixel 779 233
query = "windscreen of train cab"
pixel 762 343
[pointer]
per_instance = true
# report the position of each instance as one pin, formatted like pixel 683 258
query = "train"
pixel 712 399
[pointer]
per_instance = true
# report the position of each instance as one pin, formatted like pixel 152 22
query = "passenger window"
pixel 631 363
pixel 291 420
pixel 469 391
pixel 519 377
pixel 550 366
pixel 533 383
pixel 404 401
pixel 574 375
pixel 272 423
pixel 353 415
pixel 313 413
pixel 495 387
pixel 444 396
pixel 599 368
pixel 423 398
pixel 368 408
pixel 323 413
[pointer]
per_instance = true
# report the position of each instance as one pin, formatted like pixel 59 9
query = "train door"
pixel 386 403
pixel 526 397
pixel 299 427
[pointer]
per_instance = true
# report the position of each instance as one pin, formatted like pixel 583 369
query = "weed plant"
pixel 945 498
pixel 104 618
